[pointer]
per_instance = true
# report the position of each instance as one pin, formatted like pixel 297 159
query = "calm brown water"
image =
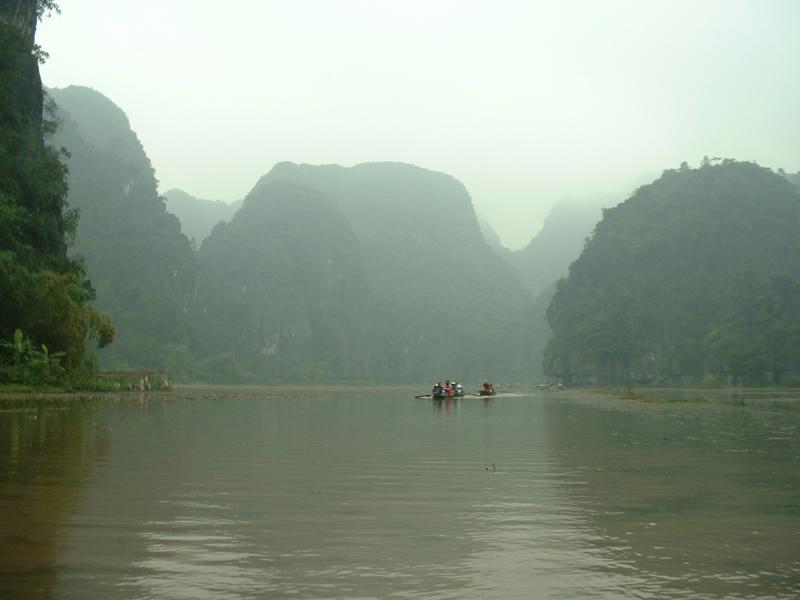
pixel 226 493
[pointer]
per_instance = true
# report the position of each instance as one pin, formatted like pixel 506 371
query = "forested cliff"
pixel 694 278
pixel 141 265
pixel 43 293
pixel 282 292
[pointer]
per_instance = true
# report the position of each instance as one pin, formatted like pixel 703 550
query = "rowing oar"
pixel 423 396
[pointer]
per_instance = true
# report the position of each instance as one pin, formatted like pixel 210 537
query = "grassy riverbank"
pixel 63 388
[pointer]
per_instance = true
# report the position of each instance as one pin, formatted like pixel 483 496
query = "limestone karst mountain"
pixel 140 264
pixel 696 277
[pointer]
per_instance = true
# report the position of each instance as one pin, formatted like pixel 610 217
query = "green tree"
pixel 693 276
pixel 42 291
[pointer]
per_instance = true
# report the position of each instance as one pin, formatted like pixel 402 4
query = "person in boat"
pixel 458 389
pixel 438 390
pixel 488 387
pixel 448 389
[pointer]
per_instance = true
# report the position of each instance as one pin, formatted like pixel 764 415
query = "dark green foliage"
pixel 24 15
pixel 695 277
pixel 42 291
pixel 758 340
pixel 52 308
pixel 34 224
pixel 22 362
pixel 142 267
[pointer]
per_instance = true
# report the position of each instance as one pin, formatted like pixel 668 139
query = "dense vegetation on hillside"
pixel 141 265
pixel 379 272
pixel 445 303
pixel 696 277
pixel 45 319
pixel 325 273
pixel 282 292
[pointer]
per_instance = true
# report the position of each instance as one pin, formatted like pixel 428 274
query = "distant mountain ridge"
pixel 376 272
pixel 546 258
pixel 382 272
pixel 444 301
pixel 197 216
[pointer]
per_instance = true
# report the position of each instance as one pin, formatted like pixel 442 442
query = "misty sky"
pixel 525 102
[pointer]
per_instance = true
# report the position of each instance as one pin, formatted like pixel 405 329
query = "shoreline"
pixel 639 394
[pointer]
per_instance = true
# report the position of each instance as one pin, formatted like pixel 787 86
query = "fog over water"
pixel 524 102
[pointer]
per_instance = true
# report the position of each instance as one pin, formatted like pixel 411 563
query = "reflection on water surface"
pixel 314 492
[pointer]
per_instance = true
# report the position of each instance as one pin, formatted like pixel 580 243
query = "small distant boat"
pixel 487 389
pixel 441 392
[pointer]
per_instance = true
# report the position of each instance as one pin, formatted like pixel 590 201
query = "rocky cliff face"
pixel 19 70
pixel 141 265
pixel 282 290
pixel 22 15
pixel 445 303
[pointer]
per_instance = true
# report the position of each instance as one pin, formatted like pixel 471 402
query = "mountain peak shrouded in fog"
pixel 382 271
pixel 429 276
pixel 392 198
pixel 103 124
pixel 377 272
pixel 546 258
pixel 524 102
pixel 198 216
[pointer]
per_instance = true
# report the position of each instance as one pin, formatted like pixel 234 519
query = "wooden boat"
pixel 486 392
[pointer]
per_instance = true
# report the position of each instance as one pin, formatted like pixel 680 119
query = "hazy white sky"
pixel 523 101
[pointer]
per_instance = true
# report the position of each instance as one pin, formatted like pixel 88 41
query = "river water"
pixel 232 493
